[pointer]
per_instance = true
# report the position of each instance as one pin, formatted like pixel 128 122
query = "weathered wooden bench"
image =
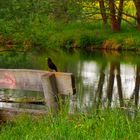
pixel 52 84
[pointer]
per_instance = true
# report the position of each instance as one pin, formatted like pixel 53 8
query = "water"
pixel 103 79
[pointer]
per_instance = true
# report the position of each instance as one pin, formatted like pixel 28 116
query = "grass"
pixel 50 34
pixel 106 124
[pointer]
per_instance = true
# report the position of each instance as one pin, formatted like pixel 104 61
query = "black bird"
pixel 51 65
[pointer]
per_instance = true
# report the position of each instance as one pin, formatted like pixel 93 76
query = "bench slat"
pixel 24 79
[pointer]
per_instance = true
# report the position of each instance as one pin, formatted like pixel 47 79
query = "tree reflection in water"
pixel 112 83
pixel 135 94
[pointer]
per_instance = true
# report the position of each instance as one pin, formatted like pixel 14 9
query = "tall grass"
pixel 106 124
pixel 40 31
pixel 55 34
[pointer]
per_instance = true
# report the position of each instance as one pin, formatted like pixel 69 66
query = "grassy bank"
pixel 107 124
pixel 49 34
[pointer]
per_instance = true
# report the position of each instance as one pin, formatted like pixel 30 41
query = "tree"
pixel 115 13
pixel 137 5
pixel 103 11
pixel 120 11
pixel 115 27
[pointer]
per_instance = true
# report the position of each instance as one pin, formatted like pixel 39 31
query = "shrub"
pixel 88 40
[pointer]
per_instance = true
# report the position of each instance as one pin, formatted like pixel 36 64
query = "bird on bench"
pixel 51 65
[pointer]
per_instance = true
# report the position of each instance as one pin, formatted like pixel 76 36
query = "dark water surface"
pixel 103 79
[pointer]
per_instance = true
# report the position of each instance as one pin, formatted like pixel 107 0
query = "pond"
pixel 103 79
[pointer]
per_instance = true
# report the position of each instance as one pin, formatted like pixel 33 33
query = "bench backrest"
pixel 26 79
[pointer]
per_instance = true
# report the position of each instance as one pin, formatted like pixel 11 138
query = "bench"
pixel 52 84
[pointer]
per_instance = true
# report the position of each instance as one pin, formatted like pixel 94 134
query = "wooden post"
pixel 50 92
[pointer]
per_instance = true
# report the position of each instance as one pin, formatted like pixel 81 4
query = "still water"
pixel 103 79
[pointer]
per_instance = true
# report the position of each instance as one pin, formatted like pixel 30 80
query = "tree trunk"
pixel 114 23
pixel 137 5
pixel 103 11
pixel 120 11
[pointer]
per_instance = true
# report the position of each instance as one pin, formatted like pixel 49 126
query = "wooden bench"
pixel 52 84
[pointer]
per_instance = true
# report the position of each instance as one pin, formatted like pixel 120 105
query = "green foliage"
pixel 64 10
pixel 87 40
pixel 42 24
pixel 8 60
pixel 104 124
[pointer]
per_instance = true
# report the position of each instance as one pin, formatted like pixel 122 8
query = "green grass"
pixel 106 124
pixel 50 34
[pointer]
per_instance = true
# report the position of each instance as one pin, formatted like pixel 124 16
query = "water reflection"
pixel 103 80
pixel 108 84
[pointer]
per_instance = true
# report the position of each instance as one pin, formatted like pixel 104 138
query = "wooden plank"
pixel 50 92
pixel 21 79
pixel 25 79
pixel 39 102
pixel 65 83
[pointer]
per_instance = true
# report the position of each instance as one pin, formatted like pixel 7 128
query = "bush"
pixel 89 40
